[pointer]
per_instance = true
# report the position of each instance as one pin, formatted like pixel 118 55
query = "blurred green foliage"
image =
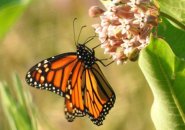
pixel 17 106
pixel 10 11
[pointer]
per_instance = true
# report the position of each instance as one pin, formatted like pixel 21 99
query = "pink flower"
pixel 95 11
pixel 125 28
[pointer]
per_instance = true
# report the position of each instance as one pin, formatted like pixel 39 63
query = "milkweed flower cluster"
pixel 125 27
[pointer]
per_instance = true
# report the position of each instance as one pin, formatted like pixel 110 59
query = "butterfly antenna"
pixel 80 32
pixel 74 35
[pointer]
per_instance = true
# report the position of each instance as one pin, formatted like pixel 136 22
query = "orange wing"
pixel 88 92
pixel 53 73
pixel 74 100
pixel 99 96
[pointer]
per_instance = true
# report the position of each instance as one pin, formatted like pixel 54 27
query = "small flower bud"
pixel 95 11
pixel 134 55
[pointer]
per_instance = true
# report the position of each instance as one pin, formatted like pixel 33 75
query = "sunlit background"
pixel 45 30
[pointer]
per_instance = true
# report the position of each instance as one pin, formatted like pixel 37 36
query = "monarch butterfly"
pixel 77 77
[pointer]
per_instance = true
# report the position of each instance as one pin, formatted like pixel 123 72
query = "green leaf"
pixel 165 74
pixel 10 11
pixel 174 10
pixel 174 36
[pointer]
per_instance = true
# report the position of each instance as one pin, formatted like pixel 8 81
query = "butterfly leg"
pixel 105 65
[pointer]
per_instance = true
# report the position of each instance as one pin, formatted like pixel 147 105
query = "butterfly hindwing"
pixel 88 93
pixel 74 100
pixel 99 96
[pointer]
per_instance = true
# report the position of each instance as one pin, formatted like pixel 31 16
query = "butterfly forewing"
pixel 52 74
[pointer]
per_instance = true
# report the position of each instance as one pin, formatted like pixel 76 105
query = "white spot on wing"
pixel 31 79
pixel 35 83
pixel 39 64
pixel 45 61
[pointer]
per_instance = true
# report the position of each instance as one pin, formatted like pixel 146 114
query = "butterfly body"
pixel 86 55
pixel 77 77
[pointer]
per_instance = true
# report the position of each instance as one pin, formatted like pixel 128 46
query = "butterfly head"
pixel 86 54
